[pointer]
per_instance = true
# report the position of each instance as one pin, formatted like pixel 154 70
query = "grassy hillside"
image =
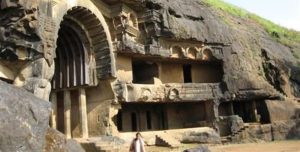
pixel 285 36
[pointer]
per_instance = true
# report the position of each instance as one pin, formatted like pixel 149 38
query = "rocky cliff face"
pixel 255 63
pixel 24 123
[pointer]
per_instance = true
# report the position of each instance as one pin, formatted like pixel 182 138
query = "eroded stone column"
pixel 113 112
pixel 53 99
pixel 67 113
pixel 216 105
pixel 231 108
pixel 83 113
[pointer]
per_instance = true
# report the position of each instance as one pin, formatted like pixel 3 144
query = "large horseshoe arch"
pixel 84 55
pixel 92 25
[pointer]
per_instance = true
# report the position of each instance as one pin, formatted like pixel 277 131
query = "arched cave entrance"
pixel 83 55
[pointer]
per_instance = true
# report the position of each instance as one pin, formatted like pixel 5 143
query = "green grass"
pixel 285 36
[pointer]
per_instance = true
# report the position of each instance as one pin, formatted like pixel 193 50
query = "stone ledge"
pixel 172 92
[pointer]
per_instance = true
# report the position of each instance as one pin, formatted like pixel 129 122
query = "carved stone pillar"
pixel 67 114
pixel 231 108
pixel 216 115
pixel 53 99
pixel 83 113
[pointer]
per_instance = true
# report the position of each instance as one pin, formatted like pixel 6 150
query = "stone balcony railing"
pixel 172 92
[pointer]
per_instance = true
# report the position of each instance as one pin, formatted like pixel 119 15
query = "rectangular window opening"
pixel 144 72
pixel 187 73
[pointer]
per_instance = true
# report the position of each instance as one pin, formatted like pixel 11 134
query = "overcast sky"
pixel 283 12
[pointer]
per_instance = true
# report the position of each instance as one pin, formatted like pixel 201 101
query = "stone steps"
pixel 167 140
pixel 103 144
pixel 236 135
pixel 226 139
pixel 106 147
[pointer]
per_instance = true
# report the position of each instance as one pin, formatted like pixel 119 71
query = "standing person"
pixel 137 144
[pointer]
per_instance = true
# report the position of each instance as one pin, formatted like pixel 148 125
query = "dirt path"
pixel 278 146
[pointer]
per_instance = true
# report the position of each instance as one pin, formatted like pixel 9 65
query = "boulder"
pixel 289 129
pixel 56 142
pixel 24 121
pixel 259 132
pixel 210 136
pixel 230 124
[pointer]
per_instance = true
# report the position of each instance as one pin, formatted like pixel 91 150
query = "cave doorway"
pixel 83 55
pixel 246 110
pixel 263 112
pixel 226 109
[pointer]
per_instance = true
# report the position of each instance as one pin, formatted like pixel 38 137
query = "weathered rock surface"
pixel 210 136
pixel 24 121
pixel 259 132
pixel 56 142
pixel 280 110
pixel 236 123
pixel 289 129
pixel 230 124
pixel 255 65
pixel 27 44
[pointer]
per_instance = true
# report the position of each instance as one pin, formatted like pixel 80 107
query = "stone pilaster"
pixel 53 99
pixel 67 113
pixel 83 113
